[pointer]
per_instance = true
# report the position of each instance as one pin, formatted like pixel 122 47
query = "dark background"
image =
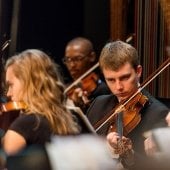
pixel 49 25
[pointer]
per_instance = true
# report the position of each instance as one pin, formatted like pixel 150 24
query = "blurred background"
pixel 49 25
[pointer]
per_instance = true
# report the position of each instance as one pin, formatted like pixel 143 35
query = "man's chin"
pixel 75 77
pixel 122 98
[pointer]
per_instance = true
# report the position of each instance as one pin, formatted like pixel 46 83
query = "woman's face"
pixel 14 85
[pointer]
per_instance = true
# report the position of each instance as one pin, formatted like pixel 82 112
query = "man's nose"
pixel 72 64
pixel 8 94
pixel 119 85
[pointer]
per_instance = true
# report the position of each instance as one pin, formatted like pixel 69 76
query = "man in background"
pixel 79 58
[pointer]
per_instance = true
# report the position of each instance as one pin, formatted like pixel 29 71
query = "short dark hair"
pixel 115 54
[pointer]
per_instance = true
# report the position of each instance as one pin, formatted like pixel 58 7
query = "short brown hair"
pixel 115 54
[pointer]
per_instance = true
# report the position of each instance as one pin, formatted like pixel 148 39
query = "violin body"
pixel 12 106
pixel 130 117
pixel 88 84
pixel 9 112
pixel 131 114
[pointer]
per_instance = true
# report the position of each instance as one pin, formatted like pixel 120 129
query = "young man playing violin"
pixel 79 58
pixel 122 71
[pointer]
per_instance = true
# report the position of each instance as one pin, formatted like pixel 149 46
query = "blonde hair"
pixel 43 89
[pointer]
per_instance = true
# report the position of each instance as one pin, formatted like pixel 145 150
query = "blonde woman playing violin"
pixel 33 78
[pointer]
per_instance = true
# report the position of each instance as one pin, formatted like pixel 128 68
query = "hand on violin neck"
pixel 79 97
pixel 121 145
pixel 112 139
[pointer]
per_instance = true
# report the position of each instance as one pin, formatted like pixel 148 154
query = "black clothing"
pixel 33 157
pixel 101 89
pixel 36 131
pixel 34 128
pixel 152 115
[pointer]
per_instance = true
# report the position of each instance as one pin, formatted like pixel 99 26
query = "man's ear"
pixel 92 57
pixel 139 71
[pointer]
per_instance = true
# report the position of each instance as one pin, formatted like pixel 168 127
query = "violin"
pixel 9 111
pixel 12 106
pixel 131 114
pixel 89 77
pixel 88 84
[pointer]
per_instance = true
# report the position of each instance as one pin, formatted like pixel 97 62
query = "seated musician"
pixel 121 69
pixel 79 58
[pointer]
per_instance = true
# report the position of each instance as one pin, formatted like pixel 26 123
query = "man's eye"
pixel 125 78
pixel 9 85
pixel 110 80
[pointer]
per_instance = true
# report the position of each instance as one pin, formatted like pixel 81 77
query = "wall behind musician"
pixel 79 58
pixel 120 65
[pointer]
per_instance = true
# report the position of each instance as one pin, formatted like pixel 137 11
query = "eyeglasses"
pixel 68 60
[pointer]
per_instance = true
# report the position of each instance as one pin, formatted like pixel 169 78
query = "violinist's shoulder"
pixel 162 103
pixel 101 89
pixel 100 106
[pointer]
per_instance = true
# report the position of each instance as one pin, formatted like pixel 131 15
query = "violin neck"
pixel 119 124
